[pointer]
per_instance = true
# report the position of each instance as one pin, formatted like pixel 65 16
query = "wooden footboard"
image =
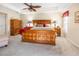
pixel 39 36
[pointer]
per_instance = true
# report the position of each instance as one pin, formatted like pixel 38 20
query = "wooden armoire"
pixel 15 26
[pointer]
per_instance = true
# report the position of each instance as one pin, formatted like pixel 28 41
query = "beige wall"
pixel 73 28
pixel 10 14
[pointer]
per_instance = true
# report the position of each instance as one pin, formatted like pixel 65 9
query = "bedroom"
pixel 43 23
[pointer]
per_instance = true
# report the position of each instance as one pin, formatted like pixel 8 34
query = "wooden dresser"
pixel 15 26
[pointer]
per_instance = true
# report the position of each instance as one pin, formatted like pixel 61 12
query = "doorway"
pixel 2 23
pixel 65 23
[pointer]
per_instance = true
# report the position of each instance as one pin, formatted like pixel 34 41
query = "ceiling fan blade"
pixel 27 4
pixel 36 6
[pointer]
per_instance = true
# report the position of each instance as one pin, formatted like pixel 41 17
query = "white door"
pixel 65 25
pixel 2 24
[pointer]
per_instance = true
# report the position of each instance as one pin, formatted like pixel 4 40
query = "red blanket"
pixel 24 29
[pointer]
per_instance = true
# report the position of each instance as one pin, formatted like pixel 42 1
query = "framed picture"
pixel 77 17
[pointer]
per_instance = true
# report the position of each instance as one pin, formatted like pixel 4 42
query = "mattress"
pixel 41 28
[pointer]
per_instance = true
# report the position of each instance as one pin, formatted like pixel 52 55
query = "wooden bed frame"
pixel 40 36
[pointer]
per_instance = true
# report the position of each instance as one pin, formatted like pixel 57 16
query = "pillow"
pixel 47 25
pixel 38 25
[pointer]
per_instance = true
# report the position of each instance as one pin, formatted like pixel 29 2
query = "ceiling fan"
pixel 31 7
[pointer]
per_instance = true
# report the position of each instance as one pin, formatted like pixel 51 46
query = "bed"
pixel 43 35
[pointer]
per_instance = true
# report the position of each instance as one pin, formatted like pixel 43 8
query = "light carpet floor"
pixel 18 48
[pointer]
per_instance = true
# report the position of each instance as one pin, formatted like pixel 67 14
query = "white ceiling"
pixel 46 7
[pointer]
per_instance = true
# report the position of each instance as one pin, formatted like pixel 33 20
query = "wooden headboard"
pixel 41 21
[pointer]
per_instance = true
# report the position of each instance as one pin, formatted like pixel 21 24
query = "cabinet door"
pixel 15 26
